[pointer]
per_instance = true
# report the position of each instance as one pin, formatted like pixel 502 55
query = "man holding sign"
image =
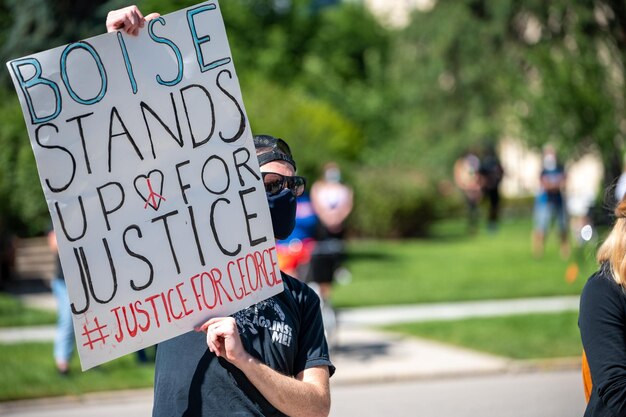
pixel 268 359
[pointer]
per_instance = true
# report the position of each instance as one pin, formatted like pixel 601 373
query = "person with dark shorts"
pixel 550 204
pixel 332 201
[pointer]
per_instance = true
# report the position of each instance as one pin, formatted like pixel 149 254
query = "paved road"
pixel 551 394
pixel 534 394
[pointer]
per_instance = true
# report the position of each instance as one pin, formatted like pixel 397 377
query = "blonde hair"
pixel 613 250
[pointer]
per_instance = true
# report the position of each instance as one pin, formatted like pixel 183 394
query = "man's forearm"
pixel 306 395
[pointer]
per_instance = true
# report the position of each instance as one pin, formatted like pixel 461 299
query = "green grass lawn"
pixel 27 371
pixel 529 336
pixel 456 267
pixel 14 313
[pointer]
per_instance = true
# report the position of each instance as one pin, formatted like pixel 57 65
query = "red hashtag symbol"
pixel 97 328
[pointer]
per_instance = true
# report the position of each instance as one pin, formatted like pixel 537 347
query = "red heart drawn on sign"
pixel 150 188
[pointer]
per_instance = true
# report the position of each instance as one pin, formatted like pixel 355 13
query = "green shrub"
pixel 22 204
pixel 316 131
pixel 395 203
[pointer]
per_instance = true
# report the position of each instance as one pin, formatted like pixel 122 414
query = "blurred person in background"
pixel 491 173
pixel 7 255
pixel 550 203
pixel 332 201
pixel 602 323
pixel 467 180
pixel 64 337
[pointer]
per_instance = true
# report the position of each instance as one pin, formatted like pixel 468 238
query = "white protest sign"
pixel 147 163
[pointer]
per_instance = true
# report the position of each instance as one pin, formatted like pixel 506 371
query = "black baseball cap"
pixel 269 148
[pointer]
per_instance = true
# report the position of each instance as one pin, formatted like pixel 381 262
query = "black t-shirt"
pixel 602 323
pixel 285 332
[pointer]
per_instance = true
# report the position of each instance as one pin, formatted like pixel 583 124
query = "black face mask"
pixel 283 212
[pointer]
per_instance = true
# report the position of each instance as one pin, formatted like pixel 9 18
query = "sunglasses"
pixel 275 183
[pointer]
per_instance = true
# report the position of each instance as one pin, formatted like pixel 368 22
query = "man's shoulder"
pixel 294 284
pixel 299 290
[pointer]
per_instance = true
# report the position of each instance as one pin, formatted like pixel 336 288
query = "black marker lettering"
pixel 169 237
pixel 178 139
pixel 62 221
pixel 138 256
pixel 202 122
pixel 215 236
pixel 125 132
pixel 242 118
pixel 105 211
pixel 56 129
pixel 82 137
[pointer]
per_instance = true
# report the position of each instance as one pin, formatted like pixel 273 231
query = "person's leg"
pixel 472 213
pixel 494 212
pixel 561 216
pixel 142 357
pixel 541 222
pixel 64 338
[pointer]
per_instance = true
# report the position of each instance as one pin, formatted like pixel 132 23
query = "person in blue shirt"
pixel 294 252
pixel 550 203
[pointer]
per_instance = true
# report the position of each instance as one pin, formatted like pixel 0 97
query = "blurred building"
pixel 396 12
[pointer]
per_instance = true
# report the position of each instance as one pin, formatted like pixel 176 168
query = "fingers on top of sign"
pixel 129 19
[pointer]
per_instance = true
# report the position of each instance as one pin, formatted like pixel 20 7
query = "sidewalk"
pixel 367 355
pixel 379 316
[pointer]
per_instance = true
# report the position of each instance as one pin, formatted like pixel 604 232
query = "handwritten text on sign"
pixel 146 160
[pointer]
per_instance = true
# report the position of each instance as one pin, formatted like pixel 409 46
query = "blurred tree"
pixel 22 204
pixel 29 26
pixel 545 71
pixel 316 131
pixel 573 56
pixel 345 64
pixel 266 36
pixel 449 77
pixel 34 25
pixel 337 54
pixel 471 71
